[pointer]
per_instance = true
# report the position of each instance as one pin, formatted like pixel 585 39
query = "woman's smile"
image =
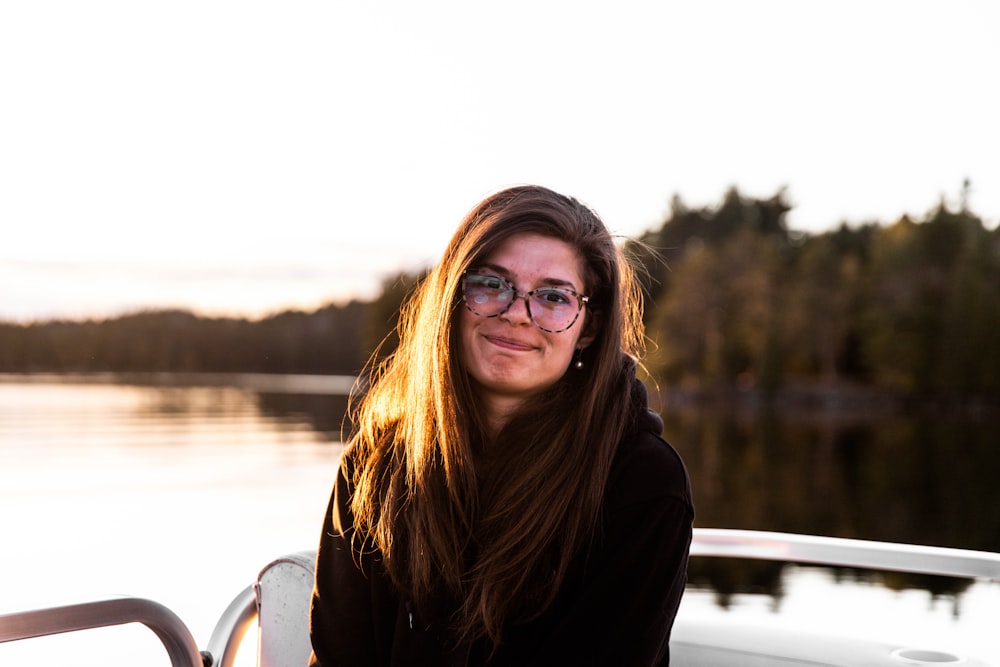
pixel 508 343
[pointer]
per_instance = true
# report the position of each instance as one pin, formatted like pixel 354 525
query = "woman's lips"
pixel 509 343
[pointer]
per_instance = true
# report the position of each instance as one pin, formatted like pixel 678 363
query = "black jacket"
pixel 616 606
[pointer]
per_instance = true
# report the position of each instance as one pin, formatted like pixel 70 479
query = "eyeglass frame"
pixel 581 299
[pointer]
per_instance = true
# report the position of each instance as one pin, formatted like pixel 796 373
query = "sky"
pixel 244 157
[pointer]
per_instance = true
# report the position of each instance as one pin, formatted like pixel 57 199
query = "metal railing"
pixel 231 627
pixel 172 632
pixel 842 552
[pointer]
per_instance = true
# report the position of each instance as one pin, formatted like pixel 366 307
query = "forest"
pixel 736 304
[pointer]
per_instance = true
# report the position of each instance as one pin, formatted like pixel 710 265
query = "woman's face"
pixel 508 357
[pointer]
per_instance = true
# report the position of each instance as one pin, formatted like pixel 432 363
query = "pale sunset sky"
pixel 240 158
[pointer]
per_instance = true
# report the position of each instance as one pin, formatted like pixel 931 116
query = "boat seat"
pixel 279 601
pixel 284 590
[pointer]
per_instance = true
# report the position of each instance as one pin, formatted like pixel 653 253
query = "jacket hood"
pixel 646 419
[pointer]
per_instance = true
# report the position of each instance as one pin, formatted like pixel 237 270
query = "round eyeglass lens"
pixel 554 309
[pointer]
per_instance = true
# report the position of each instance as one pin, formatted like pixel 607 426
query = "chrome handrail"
pixel 172 632
pixel 231 627
pixel 843 552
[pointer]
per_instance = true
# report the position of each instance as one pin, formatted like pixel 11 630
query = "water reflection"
pixel 174 492
pixel 327 413
pixel 921 480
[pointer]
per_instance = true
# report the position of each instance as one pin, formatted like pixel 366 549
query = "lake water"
pixel 181 494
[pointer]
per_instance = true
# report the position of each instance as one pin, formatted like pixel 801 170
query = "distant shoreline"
pixel 807 401
pixel 274 383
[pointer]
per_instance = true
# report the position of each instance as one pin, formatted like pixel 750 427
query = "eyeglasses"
pixel 552 309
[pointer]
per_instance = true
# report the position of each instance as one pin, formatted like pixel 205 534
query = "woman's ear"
pixel 591 326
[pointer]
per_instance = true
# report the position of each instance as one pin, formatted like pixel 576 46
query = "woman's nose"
pixel 517 311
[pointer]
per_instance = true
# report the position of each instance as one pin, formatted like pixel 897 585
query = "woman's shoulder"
pixel 647 468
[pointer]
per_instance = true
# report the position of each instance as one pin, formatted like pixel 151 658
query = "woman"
pixel 505 498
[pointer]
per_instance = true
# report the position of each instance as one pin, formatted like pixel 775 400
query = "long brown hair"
pixel 492 525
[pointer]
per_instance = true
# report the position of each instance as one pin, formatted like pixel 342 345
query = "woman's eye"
pixel 555 297
pixel 487 282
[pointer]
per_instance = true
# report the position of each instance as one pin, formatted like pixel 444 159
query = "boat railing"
pixel 279 600
pixel 844 552
pixel 175 636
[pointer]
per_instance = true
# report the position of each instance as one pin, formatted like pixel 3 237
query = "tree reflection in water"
pixel 326 412
pixel 926 479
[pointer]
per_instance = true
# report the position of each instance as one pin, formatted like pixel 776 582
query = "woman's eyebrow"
pixel 495 267
pixel 509 275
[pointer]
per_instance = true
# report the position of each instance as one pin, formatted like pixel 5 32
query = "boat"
pixel 278 604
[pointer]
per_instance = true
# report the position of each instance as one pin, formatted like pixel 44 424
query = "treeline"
pixel 329 340
pixel 735 301
pixel 335 339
